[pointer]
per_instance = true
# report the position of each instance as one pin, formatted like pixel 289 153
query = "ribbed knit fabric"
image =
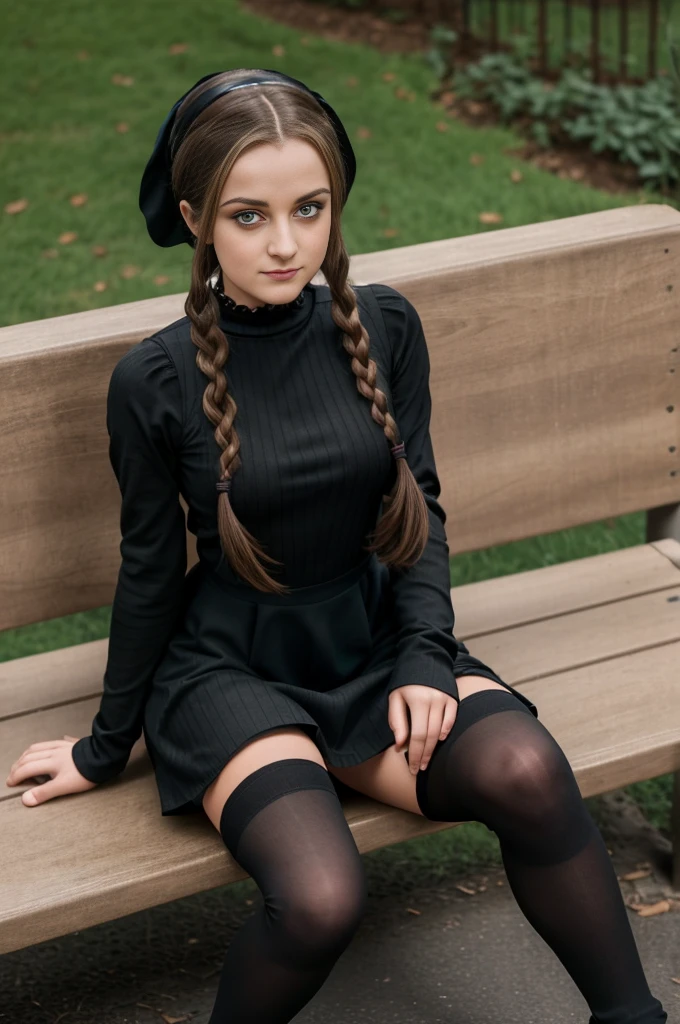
pixel 315 466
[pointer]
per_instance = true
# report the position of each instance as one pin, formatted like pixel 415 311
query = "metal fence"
pixel 608 22
pixel 617 39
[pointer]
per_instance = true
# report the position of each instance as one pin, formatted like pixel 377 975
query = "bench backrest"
pixel 554 355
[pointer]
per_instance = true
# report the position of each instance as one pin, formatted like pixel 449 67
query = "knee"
pixel 531 781
pixel 320 919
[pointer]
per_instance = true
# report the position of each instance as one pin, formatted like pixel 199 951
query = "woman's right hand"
pixel 53 758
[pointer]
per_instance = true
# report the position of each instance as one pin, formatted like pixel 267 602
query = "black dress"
pixel 200 661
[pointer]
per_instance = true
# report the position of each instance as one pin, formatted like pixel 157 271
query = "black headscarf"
pixel 164 220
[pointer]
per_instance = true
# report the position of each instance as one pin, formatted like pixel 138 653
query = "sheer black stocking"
pixel 285 826
pixel 500 765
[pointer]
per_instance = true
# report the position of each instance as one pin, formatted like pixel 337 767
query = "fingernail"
pixel 423 766
pixel 414 770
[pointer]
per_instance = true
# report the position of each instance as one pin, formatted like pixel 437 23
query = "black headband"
pixel 164 220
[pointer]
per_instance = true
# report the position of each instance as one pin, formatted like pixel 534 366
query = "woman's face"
pixel 251 238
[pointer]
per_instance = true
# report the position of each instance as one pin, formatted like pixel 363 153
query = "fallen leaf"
pixel 352 81
pixel 304 40
pixel 442 126
pixel 643 864
pixel 99 250
pixel 388 76
pixel 178 48
pixel 516 175
pixel 654 908
pixel 83 55
pixel 16 206
pixel 191 942
pixel 412 911
pixel 122 127
pixel 500 882
pixel 173 1020
pixel 447 98
pixel 122 79
pixel 66 237
pixel 576 173
pixel 363 132
pixel 129 271
pixel 50 254
pixel 78 200
pixel 161 279
pixel 476 159
pixel 390 232
pixel 403 93
pixel 278 50
pixel 464 888
pixel 100 286
pixel 632 875
pixel 676 980
pixel 482 888
pixel 490 218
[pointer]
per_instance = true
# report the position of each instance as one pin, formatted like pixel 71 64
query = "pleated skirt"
pixel 243 662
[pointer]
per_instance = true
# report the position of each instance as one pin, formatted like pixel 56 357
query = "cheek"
pixel 321 237
pixel 232 245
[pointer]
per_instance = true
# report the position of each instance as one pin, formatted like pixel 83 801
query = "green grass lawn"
pixel 58 139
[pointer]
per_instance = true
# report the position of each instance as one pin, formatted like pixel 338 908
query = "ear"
pixel 188 214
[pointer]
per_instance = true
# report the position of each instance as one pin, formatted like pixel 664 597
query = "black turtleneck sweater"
pixel 315 466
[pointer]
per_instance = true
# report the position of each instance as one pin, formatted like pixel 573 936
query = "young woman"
pixel 294 419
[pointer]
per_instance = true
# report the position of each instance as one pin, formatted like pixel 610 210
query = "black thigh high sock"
pixel 285 826
pixel 500 765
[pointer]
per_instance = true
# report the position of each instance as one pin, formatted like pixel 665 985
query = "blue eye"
pixel 317 206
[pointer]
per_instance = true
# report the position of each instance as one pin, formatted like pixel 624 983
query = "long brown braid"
pixel 231 124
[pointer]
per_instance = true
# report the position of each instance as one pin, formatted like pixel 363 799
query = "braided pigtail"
pixel 402 531
pixel 239 545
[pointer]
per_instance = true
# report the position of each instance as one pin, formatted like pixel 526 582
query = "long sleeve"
pixel 144 422
pixel 428 653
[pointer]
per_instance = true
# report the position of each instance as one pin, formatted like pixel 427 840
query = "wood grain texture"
pixel 555 402
pixel 562 634
pixel 551 350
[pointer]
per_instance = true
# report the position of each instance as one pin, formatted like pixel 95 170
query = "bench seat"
pixel 594 642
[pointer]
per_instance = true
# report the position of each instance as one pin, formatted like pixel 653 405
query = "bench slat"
pixel 524 597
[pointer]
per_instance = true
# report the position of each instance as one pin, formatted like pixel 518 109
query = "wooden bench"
pixel 554 355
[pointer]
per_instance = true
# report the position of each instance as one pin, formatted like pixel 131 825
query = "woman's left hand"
pixel 433 714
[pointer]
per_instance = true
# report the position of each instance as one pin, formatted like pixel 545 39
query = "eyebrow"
pixel 261 202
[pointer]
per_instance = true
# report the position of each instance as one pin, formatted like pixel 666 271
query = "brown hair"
pixel 228 127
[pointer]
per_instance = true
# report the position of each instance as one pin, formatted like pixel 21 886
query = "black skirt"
pixel 244 662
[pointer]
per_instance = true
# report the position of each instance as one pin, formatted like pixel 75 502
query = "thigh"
pixel 386 777
pixel 275 745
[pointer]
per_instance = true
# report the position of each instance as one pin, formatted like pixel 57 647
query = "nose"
pixel 282 242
